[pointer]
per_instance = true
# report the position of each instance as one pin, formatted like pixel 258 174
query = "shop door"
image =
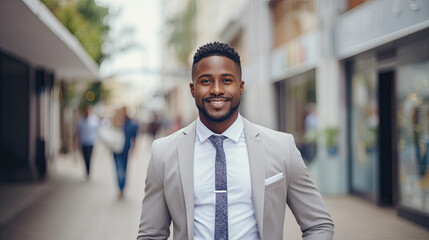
pixel 14 120
pixel 386 139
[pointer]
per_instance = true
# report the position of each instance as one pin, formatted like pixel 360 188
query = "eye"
pixel 227 80
pixel 205 81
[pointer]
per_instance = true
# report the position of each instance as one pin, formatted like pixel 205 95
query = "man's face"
pixel 217 88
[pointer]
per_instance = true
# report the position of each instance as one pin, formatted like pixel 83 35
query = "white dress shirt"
pixel 241 216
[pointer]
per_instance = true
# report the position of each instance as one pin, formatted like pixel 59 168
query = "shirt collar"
pixel 233 132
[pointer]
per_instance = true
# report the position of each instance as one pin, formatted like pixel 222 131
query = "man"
pixel 86 134
pixel 223 177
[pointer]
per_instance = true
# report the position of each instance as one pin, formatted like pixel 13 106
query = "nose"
pixel 217 88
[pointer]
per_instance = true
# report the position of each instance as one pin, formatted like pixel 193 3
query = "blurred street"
pixel 66 206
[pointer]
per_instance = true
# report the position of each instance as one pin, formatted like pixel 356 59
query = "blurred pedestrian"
pixel 86 135
pixel 130 129
pixel 111 132
pixel 154 126
pixel 223 177
pixel 176 125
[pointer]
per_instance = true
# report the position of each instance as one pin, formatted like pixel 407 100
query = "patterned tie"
pixel 221 220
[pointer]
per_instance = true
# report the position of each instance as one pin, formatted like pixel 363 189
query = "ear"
pixel 241 87
pixel 191 86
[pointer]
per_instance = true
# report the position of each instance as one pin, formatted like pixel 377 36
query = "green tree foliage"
pixel 182 33
pixel 86 21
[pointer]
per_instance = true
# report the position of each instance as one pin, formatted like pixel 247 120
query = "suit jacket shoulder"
pixel 274 141
pixel 174 137
pixel 266 132
pixel 165 149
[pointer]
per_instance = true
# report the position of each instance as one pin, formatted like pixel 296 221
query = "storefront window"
pixel 364 132
pixel 301 113
pixel 413 135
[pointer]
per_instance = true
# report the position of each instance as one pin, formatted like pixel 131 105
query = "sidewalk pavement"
pixel 68 207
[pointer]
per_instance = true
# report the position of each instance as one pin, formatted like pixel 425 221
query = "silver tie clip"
pixel 219 191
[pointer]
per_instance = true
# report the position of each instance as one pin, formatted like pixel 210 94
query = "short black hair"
pixel 216 49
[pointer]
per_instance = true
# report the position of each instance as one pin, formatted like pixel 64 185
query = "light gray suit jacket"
pixel 274 160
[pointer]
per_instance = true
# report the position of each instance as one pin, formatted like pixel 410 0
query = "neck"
pixel 219 127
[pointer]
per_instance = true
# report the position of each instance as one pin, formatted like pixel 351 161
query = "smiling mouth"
pixel 217 102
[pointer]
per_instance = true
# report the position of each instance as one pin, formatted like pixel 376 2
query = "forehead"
pixel 216 65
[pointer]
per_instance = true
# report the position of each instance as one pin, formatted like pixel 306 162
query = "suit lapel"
pixel 256 150
pixel 186 168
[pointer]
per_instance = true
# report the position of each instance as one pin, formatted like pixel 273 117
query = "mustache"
pixel 210 98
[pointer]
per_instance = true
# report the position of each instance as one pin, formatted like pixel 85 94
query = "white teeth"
pixel 217 102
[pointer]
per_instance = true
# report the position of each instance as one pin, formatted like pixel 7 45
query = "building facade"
pixel 37 54
pixel 383 50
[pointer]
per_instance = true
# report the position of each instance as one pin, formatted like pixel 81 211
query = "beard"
pixel 222 118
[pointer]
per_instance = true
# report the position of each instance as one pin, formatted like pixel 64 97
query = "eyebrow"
pixel 204 75
pixel 223 75
pixel 228 74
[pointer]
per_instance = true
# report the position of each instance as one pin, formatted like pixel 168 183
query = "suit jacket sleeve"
pixel 305 201
pixel 155 217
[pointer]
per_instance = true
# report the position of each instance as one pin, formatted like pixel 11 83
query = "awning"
pixel 29 31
